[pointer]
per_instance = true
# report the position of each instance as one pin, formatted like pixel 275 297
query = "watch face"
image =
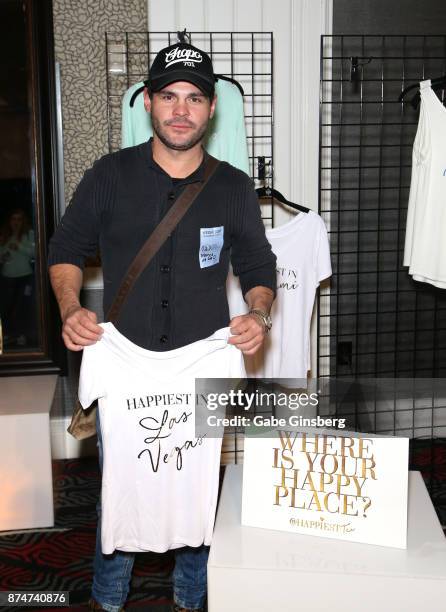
pixel 266 319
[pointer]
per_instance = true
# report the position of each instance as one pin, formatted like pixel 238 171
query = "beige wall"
pixel 79 38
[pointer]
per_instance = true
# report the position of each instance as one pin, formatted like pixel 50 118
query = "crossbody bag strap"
pixel 159 235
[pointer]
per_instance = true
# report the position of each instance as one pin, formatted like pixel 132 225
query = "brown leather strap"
pixel 159 235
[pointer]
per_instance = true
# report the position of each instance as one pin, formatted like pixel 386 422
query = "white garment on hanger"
pixel 160 482
pixel 303 261
pixel 425 242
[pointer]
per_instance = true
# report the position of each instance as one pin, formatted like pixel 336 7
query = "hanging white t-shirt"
pixel 303 261
pixel 425 244
pixel 159 481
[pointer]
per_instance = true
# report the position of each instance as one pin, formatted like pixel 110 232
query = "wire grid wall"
pixel 375 320
pixel 246 57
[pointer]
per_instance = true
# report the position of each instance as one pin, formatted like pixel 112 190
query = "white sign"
pixel 345 485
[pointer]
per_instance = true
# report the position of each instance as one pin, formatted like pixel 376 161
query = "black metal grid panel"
pixel 375 320
pixel 244 56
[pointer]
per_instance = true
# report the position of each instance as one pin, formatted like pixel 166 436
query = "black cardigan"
pixel 119 202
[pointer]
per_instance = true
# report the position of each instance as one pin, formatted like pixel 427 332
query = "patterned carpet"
pixel 61 559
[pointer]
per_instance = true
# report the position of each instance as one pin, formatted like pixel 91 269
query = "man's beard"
pixel 194 139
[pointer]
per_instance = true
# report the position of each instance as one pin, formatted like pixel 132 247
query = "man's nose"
pixel 181 108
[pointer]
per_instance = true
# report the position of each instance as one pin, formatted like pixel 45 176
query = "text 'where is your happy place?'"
pixel 323 473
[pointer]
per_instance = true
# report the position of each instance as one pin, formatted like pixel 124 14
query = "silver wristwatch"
pixel 264 317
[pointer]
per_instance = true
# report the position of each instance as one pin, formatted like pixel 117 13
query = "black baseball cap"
pixel 182 62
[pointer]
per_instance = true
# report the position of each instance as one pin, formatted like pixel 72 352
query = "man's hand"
pixel 250 333
pixel 80 328
pixel 249 328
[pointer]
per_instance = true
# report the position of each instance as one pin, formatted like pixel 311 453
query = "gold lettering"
pixel 358 486
pixel 326 502
pixel 293 478
pixel 342 481
pixel 364 450
pixel 347 443
pixel 368 465
pixel 281 492
pixel 285 440
pixel 293 500
pixel 348 505
pixel 334 462
pixel 353 462
pixel 315 501
pixel 276 458
pixel 310 461
pixel 289 459
pixel 308 481
pixel 324 479
pixel 306 442
pixel 328 445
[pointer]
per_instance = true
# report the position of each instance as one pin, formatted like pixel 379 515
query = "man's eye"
pixel 196 99
pixel 167 97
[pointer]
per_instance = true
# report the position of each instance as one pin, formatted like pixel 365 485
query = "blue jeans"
pixel 112 573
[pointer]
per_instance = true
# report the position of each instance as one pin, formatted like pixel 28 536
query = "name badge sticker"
pixel 211 243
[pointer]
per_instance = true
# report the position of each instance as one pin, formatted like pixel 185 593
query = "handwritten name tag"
pixel 211 243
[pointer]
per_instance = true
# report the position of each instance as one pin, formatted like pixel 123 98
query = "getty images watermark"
pixel 354 404
pixel 219 407
pixel 254 401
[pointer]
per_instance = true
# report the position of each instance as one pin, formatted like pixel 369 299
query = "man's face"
pixel 180 114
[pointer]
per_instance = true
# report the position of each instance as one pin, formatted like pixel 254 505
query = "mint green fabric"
pixel 226 137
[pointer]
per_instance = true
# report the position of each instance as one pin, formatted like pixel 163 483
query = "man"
pixel 179 298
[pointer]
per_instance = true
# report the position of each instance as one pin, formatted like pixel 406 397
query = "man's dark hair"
pixel 210 96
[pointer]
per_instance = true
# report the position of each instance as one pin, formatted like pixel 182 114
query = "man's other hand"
pixel 250 333
pixel 80 328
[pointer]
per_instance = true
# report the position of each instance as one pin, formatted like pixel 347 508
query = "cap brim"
pixel 181 75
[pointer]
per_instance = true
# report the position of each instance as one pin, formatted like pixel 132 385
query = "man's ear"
pixel 147 100
pixel 213 104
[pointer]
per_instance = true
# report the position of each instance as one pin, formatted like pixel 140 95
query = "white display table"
pixel 26 486
pixel 261 570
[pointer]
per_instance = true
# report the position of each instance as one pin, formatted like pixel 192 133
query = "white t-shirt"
pixel 159 482
pixel 303 261
pixel 425 244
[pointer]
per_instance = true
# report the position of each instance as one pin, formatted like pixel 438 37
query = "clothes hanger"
pixel 223 77
pixel 268 193
pixel 217 77
pixel 437 83
pixel 184 37
pixel 136 93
